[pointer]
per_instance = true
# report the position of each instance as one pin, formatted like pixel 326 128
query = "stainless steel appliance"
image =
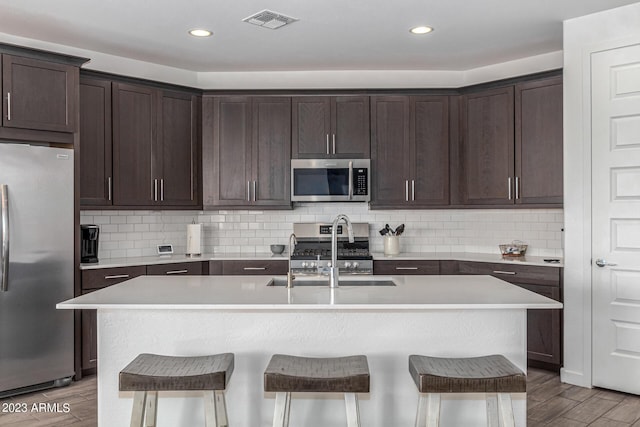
pixel 36 267
pixel 89 235
pixel 330 180
pixel 312 254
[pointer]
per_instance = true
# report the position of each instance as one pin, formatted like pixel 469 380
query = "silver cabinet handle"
pixel 8 105
pixel 509 273
pixel 155 190
pixel 413 189
pixel 328 144
pixel 406 190
pixel 248 191
pixel 517 188
pixel 177 272
pixel 254 190
pixel 254 268
pixel 162 189
pixel 601 262
pixel 509 186
pixel 109 189
pixel 334 143
pixel 117 276
pixel 4 214
pixel 406 268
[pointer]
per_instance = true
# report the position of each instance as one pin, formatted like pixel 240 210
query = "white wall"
pixel 136 233
pixel 582 36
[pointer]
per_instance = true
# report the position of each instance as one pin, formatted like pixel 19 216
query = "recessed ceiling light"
pixel 197 32
pixel 421 30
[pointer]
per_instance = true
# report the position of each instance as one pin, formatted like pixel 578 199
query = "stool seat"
pixel 286 373
pixel 153 372
pixel 486 374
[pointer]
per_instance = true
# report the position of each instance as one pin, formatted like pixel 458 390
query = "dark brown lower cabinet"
pixel 406 267
pixel 177 269
pixel 257 267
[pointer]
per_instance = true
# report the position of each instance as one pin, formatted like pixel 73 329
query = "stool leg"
pixel 281 414
pixel 421 415
pixel 221 409
pixel 152 409
pixel 492 410
pixel 506 410
pixel 210 416
pixel 353 412
pixel 137 414
pixel 433 409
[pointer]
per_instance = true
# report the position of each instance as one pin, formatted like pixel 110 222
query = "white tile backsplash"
pixel 136 233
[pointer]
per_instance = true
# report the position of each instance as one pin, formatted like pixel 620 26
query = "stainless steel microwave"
pixel 330 180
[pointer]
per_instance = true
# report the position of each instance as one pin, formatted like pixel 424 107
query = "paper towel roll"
pixel 194 237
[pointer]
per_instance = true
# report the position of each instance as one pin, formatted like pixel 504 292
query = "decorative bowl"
pixel 277 249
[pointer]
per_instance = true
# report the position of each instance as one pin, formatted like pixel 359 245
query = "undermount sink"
pixel 325 282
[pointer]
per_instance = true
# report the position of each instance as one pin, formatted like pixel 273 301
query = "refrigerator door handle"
pixel 4 215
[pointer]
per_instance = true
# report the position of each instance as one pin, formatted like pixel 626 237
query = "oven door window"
pixel 321 182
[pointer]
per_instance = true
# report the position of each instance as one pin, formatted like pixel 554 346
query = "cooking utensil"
pixel 399 230
pixel 389 230
pixel 383 232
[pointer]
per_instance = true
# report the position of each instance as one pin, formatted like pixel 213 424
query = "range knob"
pixel 329 264
pixel 304 264
pixel 312 265
pixel 355 265
pixel 347 264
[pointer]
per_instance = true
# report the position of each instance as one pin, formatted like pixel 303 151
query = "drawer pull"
pixel 117 276
pixel 177 272
pixel 510 273
pixel 254 268
pixel 406 268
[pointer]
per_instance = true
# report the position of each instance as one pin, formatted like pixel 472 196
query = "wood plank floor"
pixel 550 403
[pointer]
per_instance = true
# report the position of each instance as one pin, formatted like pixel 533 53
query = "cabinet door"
pixel 39 95
pixel 95 142
pixel 487 147
pixel 350 130
pixel 544 328
pixel 390 151
pixel 271 154
pixel 227 152
pixel 175 152
pixel 134 127
pixel 311 125
pixel 538 118
pixel 89 346
pixel 429 150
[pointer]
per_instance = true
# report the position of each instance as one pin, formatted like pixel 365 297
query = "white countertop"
pixel 433 256
pixel 252 293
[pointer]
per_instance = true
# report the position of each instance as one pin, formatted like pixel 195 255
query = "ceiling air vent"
pixel 269 19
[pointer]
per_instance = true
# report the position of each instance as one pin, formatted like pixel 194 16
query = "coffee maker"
pixel 89 243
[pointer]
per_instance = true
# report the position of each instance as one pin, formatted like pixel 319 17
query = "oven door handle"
pixel 350 180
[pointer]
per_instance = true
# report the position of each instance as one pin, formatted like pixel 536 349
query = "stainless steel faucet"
pixel 292 242
pixel 334 271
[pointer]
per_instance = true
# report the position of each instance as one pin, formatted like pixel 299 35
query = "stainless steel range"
pixel 312 254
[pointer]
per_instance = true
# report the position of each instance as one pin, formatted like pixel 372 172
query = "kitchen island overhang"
pixel 431 315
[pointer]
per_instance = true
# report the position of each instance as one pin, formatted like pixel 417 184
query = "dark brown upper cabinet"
pixel 487 149
pixel 155 147
pixel 247 152
pixel 330 126
pixel 410 151
pixel 538 127
pixel 39 95
pixel 96 176
pixel 511 145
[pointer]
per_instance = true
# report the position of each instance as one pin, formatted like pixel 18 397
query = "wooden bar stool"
pixel 488 374
pixel 150 373
pixel 286 374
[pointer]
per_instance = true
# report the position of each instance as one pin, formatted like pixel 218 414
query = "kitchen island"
pixel 430 315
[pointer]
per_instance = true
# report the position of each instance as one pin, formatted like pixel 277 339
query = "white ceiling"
pixel 330 34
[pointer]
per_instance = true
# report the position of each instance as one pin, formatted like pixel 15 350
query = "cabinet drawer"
pixel 96 279
pixel 406 267
pixel 519 274
pixel 270 267
pixel 181 268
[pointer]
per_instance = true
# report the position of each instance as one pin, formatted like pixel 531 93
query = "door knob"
pixel 600 262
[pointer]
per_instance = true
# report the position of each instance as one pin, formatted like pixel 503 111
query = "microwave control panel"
pixel 360 181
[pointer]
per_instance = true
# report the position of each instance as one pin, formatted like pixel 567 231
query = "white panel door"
pixel 615 88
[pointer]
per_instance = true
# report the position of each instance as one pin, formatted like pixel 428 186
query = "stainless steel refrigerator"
pixel 36 267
